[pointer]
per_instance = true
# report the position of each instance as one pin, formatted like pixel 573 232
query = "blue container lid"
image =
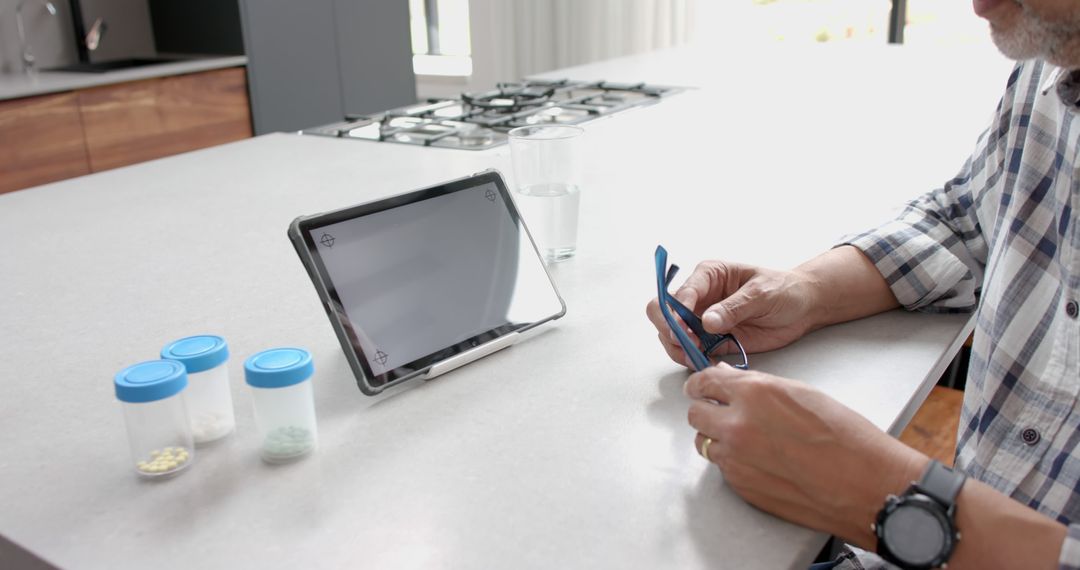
pixel 150 381
pixel 278 367
pixel 197 353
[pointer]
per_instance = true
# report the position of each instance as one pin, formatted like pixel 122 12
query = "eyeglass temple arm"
pixel 697 359
pixel 709 340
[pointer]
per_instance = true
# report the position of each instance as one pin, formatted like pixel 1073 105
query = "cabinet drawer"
pixel 142 120
pixel 41 140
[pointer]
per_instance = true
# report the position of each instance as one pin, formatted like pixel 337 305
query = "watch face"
pixel 914 534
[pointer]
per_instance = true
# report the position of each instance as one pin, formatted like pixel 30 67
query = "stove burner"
pixel 510 97
pixel 476 137
pixel 481 120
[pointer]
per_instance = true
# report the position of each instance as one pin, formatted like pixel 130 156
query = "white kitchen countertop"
pixel 13 86
pixel 570 450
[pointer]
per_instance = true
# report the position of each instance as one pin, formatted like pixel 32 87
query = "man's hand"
pixel 764 309
pixel 793 451
pixel 767 309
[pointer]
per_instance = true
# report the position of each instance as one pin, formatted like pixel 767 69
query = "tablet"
pixel 421 283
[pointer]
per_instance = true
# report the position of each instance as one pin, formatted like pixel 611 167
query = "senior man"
pixel 1000 238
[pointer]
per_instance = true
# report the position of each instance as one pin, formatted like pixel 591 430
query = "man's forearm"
pixel 847 286
pixel 998 532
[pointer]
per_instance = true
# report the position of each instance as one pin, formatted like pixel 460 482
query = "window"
pixel 440 37
pixel 944 22
pixel 807 20
pixel 923 22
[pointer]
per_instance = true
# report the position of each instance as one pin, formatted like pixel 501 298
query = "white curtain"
pixel 515 38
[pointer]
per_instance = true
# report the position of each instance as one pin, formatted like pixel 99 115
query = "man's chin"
pixel 1015 43
pixel 1067 56
pixel 1028 37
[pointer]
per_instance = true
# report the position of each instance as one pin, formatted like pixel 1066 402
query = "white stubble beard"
pixel 1032 37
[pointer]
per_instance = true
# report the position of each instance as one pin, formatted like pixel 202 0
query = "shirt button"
pixel 1030 436
pixel 1072 309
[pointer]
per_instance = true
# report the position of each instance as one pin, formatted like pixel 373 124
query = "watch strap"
pixel 941 483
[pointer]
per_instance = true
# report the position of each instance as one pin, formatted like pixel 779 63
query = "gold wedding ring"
pixel 705 448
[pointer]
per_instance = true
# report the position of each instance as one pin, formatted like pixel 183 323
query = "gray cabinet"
pixel 312 62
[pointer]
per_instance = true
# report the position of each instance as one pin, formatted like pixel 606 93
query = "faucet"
pixel 28 56
pixel 93 37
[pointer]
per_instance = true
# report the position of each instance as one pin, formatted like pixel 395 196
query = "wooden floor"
pixel 933 429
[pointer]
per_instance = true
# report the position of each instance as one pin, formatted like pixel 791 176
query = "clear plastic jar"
pixel 280 380
pixel 152 396
pixel 209 400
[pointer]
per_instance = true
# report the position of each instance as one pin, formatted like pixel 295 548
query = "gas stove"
pixel 479 121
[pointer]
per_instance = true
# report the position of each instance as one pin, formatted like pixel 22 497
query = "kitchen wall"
pixel 52 38
pixel 517 38
pixel 512 39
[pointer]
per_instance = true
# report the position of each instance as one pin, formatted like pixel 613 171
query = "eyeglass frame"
pixel 699 357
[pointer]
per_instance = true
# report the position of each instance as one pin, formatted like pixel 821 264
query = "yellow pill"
pixel 155 453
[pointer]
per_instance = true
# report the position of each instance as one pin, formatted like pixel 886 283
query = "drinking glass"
pixel 547 172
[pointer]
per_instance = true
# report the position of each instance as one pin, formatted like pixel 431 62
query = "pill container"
pixel 280 380
pixel 209 401
pixel 152 397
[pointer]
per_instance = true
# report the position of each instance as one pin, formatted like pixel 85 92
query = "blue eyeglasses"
pixel 709 342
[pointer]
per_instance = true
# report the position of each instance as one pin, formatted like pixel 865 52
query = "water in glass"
pixel 551 213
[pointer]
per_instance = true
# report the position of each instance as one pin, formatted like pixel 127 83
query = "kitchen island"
pixel 568 450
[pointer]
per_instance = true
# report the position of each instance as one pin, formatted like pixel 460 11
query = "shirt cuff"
pixel 1069 559
pixel 925 265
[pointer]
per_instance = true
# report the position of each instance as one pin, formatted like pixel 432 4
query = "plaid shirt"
pixel 1001 238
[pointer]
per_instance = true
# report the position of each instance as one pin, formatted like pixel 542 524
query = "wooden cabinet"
pixel 41 140
pixel 53 137
pixel 142 120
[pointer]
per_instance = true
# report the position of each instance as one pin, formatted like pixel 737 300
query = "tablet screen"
pixel 418 278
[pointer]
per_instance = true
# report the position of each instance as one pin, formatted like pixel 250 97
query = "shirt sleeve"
pixel 933 255
pixel 1069 559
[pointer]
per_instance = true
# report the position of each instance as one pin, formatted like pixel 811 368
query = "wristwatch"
pixel 917 530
